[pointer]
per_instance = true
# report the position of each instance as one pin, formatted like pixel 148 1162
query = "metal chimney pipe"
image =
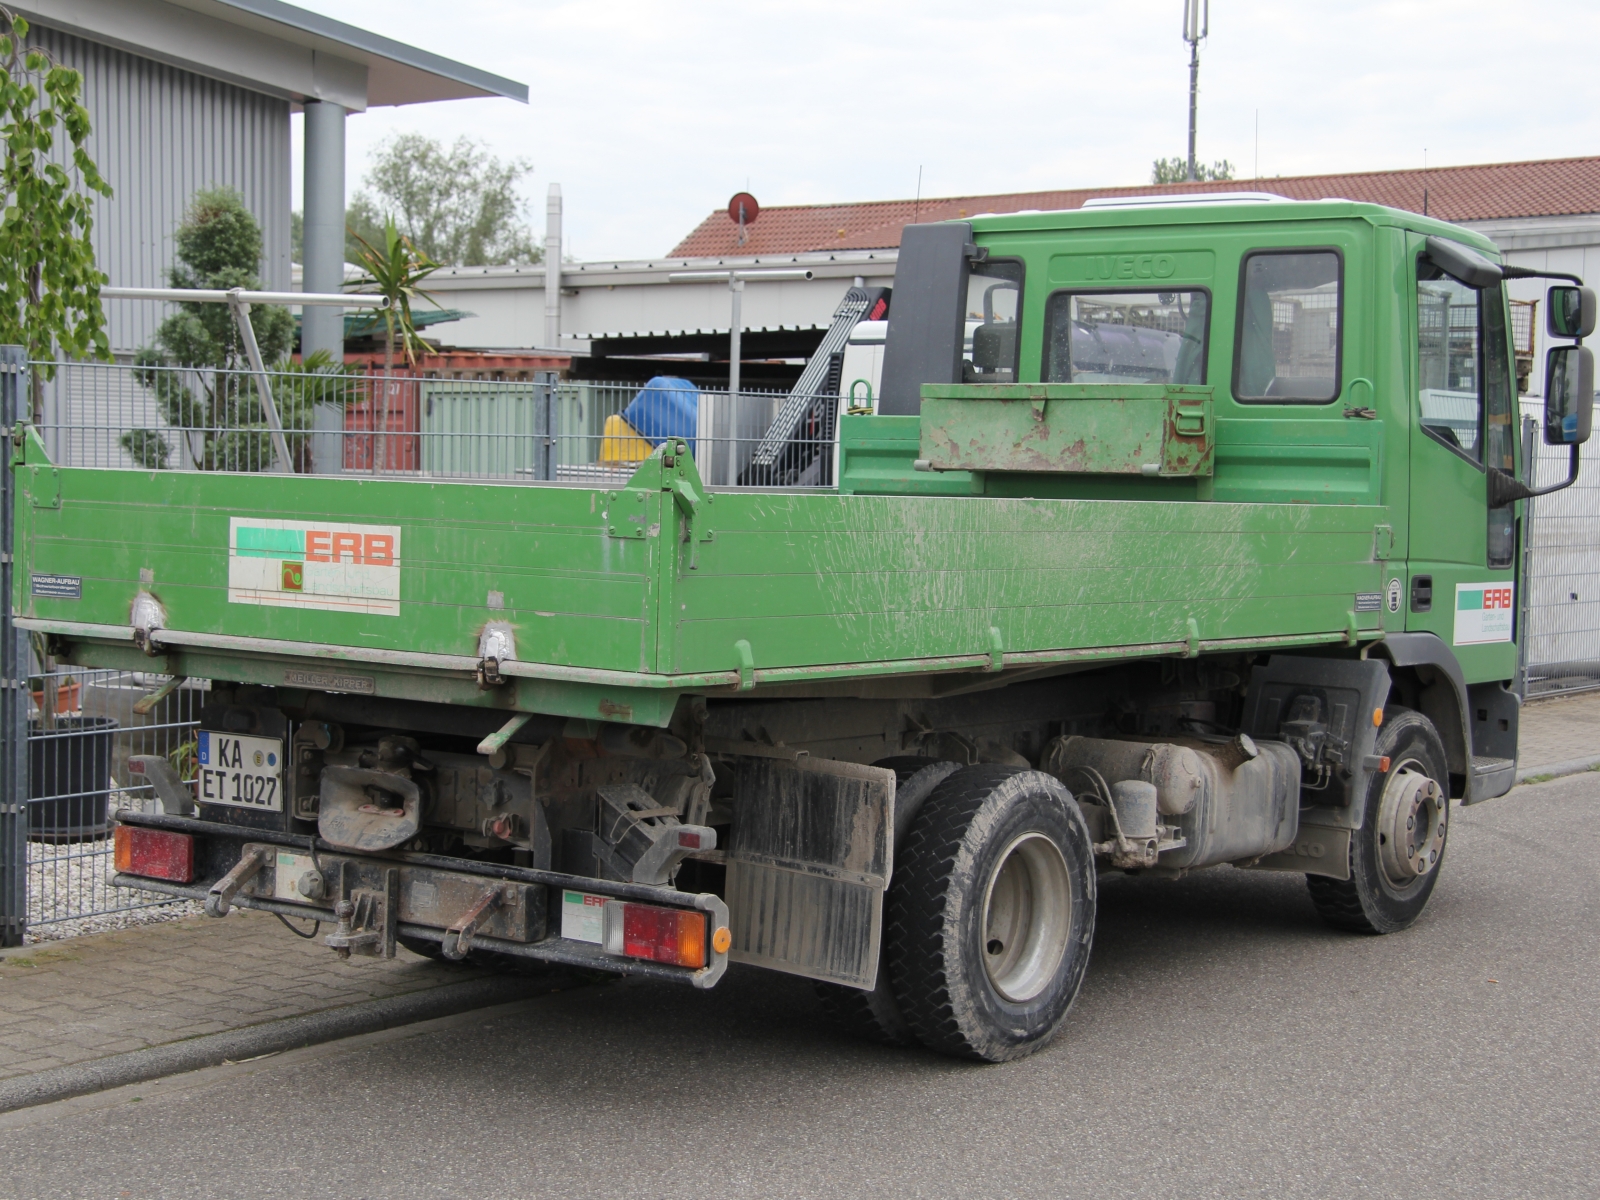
pixel 552 268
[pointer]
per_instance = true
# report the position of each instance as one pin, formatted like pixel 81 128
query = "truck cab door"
pixel 1461 578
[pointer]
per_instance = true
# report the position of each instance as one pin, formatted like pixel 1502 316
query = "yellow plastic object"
pixel 622 443
pixel 722 939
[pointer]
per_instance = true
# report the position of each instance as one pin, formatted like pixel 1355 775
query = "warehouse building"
pixel 188 94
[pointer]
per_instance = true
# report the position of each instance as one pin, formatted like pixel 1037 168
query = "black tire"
pixel 944 963
pixel 1371 900
pixel 875 1015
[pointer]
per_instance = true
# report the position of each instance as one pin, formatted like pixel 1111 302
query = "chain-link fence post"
pixel 13 674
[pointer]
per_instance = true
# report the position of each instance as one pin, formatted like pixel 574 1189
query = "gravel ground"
pixel 71 877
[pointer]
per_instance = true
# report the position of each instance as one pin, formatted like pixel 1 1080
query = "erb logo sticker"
pixel 1485 613
pixel 1391 599
pixel 330 565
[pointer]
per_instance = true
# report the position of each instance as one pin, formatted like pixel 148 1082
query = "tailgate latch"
pixel 458 938
pixel 220 898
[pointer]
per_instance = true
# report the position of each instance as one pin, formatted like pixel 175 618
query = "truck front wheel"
pixel 991 913
pixel 1396 855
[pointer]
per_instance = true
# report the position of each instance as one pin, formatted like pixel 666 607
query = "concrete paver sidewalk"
pixel 84 998
pixel 73 1001
pixel 1558 730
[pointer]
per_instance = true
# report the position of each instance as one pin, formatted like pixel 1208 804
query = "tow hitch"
pixel 368 920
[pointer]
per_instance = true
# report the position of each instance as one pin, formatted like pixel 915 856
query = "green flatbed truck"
pixel 1179 536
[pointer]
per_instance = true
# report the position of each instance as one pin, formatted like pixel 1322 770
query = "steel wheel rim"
pixel 1027 917
pixel 1412 821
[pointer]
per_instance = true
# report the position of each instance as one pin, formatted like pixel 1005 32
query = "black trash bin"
pixel 69 778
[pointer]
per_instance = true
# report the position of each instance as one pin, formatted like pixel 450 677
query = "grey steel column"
pixel 726 419
pixel 545 425
pixel 552 269
pixel 13 678
pixel 323 269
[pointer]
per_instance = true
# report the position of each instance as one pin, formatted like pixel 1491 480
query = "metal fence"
pixel 410 424
pixel 1560 645
pixel 83 726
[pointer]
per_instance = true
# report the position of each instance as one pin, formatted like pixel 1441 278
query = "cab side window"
pixel 1291 310
pixel 994 298
pixel 1464 385
pixel 1127 337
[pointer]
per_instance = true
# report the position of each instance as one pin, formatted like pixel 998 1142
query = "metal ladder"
pixel 804 394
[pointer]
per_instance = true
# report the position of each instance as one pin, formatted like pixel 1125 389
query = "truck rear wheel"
pixel 1396 855
pixel 875 1014
pixel 991 913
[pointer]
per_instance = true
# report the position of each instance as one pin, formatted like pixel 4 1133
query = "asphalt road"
pixel 1225 1044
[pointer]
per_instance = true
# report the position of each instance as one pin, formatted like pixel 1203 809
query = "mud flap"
pixel 808 863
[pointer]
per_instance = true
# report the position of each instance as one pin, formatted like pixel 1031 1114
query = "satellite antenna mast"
pixel 1196 25
pixel 743 210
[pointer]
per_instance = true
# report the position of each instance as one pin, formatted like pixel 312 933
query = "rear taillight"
pixel 154 853
pixel 668 935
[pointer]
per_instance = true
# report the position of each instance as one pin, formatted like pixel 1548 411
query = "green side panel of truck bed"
pixel 814 579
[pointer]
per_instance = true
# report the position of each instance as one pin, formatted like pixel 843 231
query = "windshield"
pixel 1127 337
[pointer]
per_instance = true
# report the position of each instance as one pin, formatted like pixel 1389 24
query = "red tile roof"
pixel 1553 187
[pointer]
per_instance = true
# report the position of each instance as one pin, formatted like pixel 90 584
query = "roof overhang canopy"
pixel 273 47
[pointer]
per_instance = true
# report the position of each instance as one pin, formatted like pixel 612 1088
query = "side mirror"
pixel 1570 312
pixel 1465 263
pixel 1568 391
pixel 994 347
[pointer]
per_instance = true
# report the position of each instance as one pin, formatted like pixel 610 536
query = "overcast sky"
pixel 651 114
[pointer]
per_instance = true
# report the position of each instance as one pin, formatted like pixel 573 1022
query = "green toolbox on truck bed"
pixel 1179 535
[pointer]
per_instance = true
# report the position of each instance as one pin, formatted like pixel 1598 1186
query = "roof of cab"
pixel 1214 212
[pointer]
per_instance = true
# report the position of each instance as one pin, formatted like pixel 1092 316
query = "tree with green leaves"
pixel 458 205
pixel 1176 170
pixel 197 369
pixel 394 269
pixel 49 281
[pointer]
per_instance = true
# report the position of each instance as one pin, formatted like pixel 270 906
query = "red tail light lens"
pixel 668 935
pixel 154 853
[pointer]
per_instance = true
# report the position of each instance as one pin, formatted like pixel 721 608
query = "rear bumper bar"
pixel 552 949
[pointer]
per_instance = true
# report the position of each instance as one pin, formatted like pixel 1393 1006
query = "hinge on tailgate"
pixel 1382 542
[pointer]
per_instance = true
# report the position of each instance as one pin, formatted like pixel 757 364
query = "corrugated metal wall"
pixel 159 135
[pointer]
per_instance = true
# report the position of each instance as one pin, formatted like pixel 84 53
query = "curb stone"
pixel 1572 766
pixel 270 1037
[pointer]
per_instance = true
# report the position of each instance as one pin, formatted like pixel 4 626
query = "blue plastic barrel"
pixel 666 407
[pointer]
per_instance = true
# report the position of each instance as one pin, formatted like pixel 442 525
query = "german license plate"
pixel 245 772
